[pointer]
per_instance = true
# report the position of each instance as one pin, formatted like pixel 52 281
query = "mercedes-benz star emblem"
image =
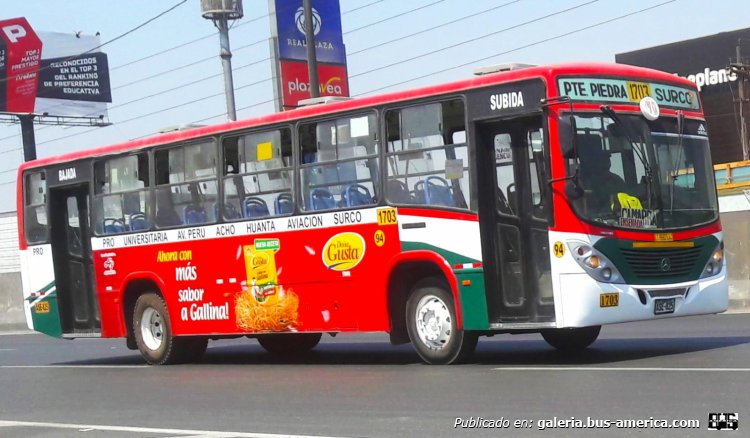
pixel 665 264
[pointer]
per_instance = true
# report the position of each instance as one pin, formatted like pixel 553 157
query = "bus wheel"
pixel 153 332
pixel 571 340
pixel 431 323
pixel 289 344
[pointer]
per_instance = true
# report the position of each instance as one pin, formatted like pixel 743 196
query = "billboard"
pixel 20 56
pixel 289 47
pixel 705 61
pixel 290 30
pixel 295 81
pixel 74 79
pixel 49 73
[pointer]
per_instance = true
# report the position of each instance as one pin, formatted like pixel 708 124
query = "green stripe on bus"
pixel 473 298
pixel 47 322
pixel 473 301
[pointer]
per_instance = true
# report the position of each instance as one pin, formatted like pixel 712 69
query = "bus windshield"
pixel 640 174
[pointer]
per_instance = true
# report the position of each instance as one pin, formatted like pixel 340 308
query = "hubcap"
pixel 152 329
pixel 433 322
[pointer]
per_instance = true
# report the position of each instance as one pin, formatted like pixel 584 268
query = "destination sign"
pixel 624 91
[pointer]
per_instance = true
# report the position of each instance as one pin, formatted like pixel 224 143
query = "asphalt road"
pixel 360 385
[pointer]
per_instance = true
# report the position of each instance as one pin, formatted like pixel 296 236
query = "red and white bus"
pixel 548 199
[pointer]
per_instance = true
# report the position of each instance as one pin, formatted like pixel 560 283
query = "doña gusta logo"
pixel 343 251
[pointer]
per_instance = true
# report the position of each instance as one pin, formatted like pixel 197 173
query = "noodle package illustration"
pixel 264 305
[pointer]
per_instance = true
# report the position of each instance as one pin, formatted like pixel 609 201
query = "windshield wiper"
pixel 637 147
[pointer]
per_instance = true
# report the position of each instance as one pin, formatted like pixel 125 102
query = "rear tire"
pixel 432 327
pixel 571 340
pixel 289 344
pixel 153 334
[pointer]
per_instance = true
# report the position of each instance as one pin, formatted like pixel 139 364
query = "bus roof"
pixel 545 72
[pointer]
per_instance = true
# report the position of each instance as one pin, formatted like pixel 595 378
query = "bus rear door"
pixel 70 237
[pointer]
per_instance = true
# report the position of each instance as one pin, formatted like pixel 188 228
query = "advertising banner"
pixel 290 30
pixel 82 77
pixel 74 78
pixel 20 56
pixel 705 61
pixel 295 82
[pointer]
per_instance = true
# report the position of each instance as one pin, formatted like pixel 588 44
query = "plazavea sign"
pixel 20 56
pixel 290 29
pixel 295 82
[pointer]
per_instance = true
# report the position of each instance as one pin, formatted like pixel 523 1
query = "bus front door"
pixel 71 255
pixel 514 210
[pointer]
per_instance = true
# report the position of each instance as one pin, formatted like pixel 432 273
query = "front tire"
pixel 153 334
pixel 289 344
pixel 571 340
pixel 432 327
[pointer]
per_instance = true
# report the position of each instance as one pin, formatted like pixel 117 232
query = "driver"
pixel 600 184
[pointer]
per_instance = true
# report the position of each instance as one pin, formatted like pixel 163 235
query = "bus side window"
pixel 427 156
pixel 121 194
pixel 258 175
pixel 186 185
pixel 36 229
pixel 339 163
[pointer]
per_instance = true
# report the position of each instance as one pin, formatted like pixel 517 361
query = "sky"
pixel 168 72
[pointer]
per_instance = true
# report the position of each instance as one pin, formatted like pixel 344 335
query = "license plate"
pixel 663 306
pixel 609 300
pixel 41 307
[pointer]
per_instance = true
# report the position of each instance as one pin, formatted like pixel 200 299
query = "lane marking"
pixel 619 369
pixel 7 349
pixel 76 366
pixel 178 432
pixel 18 332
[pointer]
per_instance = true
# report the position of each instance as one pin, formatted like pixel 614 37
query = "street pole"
pixel 743 125
pixel 220 12
pixel 226 62
pixel 27 134
pixel 312 61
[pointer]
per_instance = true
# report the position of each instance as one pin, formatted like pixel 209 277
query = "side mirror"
pixel 567 133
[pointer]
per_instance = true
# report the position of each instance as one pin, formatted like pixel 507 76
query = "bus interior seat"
pixel 230 211
pixel 321 199
pixel 167 217
pixel 194 214
pixel 254 207
pixel 437 191
pixel 398 193
pixel 113 225
pixel 283 204
pixel 138 222
pixel 355 195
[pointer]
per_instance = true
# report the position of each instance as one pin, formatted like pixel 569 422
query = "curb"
pixel 739 306
pixel 14 329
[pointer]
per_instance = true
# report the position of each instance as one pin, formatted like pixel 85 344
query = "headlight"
pixel 594 263
pixel 715 262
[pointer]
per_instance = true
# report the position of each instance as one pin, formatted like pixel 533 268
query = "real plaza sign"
pixel 288 33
